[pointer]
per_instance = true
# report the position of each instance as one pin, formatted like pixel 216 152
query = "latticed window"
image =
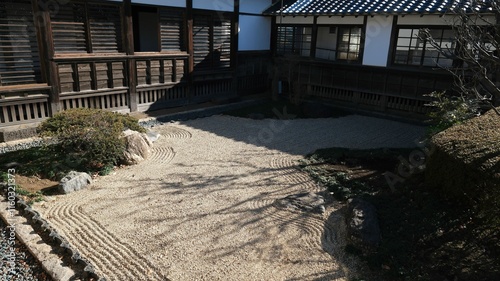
pixel 172 30
pixel 19 58
pixel 412 50
pixel 349 43
pixel 87 27
pixel 212 41
pixel 294 40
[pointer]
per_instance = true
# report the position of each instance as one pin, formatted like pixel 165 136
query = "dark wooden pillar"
pixel 275 69
pixel 274 36
pixel 128 35
pixel 47 51
pixel 235 26
pixel 190 47
pixel 314 37
pixel 235 30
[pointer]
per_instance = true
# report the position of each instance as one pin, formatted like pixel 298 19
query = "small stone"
pixel 74 181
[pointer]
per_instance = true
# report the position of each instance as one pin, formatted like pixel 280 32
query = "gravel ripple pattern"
pixel 202 207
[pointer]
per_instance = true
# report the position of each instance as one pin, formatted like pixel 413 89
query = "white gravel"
pixel 201 207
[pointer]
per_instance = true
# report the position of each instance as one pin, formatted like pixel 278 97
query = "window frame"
pixel 361 44
pixel 89 25
pixel 219 60
pixel 337 27
pixel 422 57
pixel 299 51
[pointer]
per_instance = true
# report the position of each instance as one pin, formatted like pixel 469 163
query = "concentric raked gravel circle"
pixel 202 207
pixel 170 131
pixel 288 168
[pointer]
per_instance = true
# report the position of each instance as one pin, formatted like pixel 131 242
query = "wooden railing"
pixel 392 90
pixel 162 81
pixel 93 82
pixel 104 82
pixel 24 104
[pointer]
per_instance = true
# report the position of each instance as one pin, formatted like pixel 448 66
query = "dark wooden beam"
pixel 88 33
pixel 190 48
pixel 128 33
pixel 128 28
pixel 235 26
pixel 190 42
pixel 394 39
pixel 46 43
pixel 158 18
pixel 314 37
pixel 274 36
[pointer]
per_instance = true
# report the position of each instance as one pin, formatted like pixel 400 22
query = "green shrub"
pixel 89 138
pixel 449 110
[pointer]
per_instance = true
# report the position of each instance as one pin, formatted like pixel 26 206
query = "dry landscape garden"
pixel 249 140
pixel 345 197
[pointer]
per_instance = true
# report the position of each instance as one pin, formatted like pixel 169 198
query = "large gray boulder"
pixel 137 147
pixel 74 181
pixel 362 223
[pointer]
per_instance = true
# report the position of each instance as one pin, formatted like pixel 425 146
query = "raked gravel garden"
pixel 203 205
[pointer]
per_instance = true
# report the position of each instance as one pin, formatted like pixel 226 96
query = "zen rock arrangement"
pixel 362 224
pixel 138 146
pixel 74 181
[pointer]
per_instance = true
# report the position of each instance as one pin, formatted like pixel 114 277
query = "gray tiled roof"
pixel 370 7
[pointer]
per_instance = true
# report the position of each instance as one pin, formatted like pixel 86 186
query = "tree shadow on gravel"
pixel 173 206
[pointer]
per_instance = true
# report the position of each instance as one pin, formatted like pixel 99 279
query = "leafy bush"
pixel 449 110
pixel 89 138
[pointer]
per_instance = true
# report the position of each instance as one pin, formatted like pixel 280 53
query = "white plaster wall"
pixel 377 40
pixel 341 20
pixel 254 6
pixel 255 33
pixel 169 3
pixel 295 20
pixel 215 5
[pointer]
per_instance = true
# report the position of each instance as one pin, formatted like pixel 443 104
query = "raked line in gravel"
pixel 201 207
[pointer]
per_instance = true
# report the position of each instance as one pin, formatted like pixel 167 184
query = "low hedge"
pixel 89 139
pixel 465 164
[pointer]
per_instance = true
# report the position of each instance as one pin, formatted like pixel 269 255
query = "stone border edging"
pixel 41 240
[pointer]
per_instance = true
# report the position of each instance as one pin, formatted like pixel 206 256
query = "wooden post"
pixel 314 37
pixel 190 47
pixel 128 35
pixel 47 51
pixel 274 69
pixel 235 26
pixel 88 33
pixel 274 36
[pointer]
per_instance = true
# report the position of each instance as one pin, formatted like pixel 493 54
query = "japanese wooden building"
pixel 138 55
pixel 128 55
pixel 367 54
